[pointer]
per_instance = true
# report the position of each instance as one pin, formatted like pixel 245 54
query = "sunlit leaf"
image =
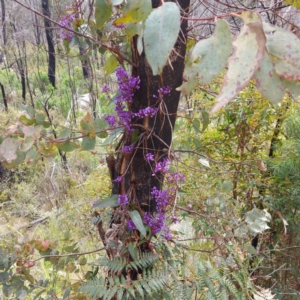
pixel 8 149
pixel 110 65
pixel 133 29
pixel 67 146
pixel 111 201
pixel 88 143
pixel 27 144
pixel 135 11
pixel 87 125
pixel 284 49
pixel 268 82
pixel 204 162
pixel 213 54
pixel 249 48
pixel 138 222
pixel 103 12
pixel 160 34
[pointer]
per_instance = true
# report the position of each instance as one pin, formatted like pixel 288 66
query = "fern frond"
pixel 146 260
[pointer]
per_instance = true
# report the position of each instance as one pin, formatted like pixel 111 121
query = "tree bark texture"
pixel 155 134
pixel 49 36
pixel 4 97
pixel 3 17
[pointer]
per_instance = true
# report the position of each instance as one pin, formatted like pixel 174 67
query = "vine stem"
pixel 67 255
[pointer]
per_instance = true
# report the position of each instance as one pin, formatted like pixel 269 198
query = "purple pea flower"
pixel 123 200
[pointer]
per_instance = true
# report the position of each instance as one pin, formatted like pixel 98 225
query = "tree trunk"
pixel 49 36
pixel 4 97
pixel 4 36
pixel 85 64
pixel 156 133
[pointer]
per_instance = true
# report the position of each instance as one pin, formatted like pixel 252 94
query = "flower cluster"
pixel 149 156
pixel 66 22
pixel 110 119
pixel 148 111
pixel 174 178
pixel 162 166
pixel 165 90
pixel 157 222
pixel 127 86
pixel 123 200
pixel 128 149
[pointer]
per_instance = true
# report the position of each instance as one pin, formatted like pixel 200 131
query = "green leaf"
pixel 66 293
pixel 27 120
pixel 112 136
pixel 100 125
pixel 87 125
pixel 133 29
pixel 111 201
pixel 205 120
pixel 110 65
pixel 32 155
pixel 103 12
pixel 8 149
pixel 138 222
pixel 213 54
pixel 284 49
pixel 27 144
pixel 268 82
pixel 293 87
pixel 64 134
pixel 135 11
pixel 67 146
pixel 160 34
pixel 249 48
pixel 20 157
pixel 88 143
pixel 40 118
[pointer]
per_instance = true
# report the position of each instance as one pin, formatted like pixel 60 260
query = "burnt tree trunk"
pixel 49 36
pixel 3 17
pixel 155 133
pixel 4 97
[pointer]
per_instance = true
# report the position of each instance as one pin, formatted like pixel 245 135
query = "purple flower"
pixel 123 200
pixel 149 156
pixel 66 22
pixel 131 225
pixel 110 119
pixel 162 166
pixel 118 179
pixel 175 178
pixel 148 111
pixel 127 86
pixel 164 90
pixel 128 149
pixel 105 89
pixel 174 219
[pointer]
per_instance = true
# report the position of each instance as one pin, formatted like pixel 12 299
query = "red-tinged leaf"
pixel 249 48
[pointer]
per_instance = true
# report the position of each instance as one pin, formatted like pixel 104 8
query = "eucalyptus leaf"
pixel 88 143
pixel 249 49
pixel 103 12
pixel 160 34
pixel 135 11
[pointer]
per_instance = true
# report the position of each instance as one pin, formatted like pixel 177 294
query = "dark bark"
pixel 4 97
pixel 37 31
pixel 3 17
pixel 85 64
pixel 49 37
pixel 156 133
